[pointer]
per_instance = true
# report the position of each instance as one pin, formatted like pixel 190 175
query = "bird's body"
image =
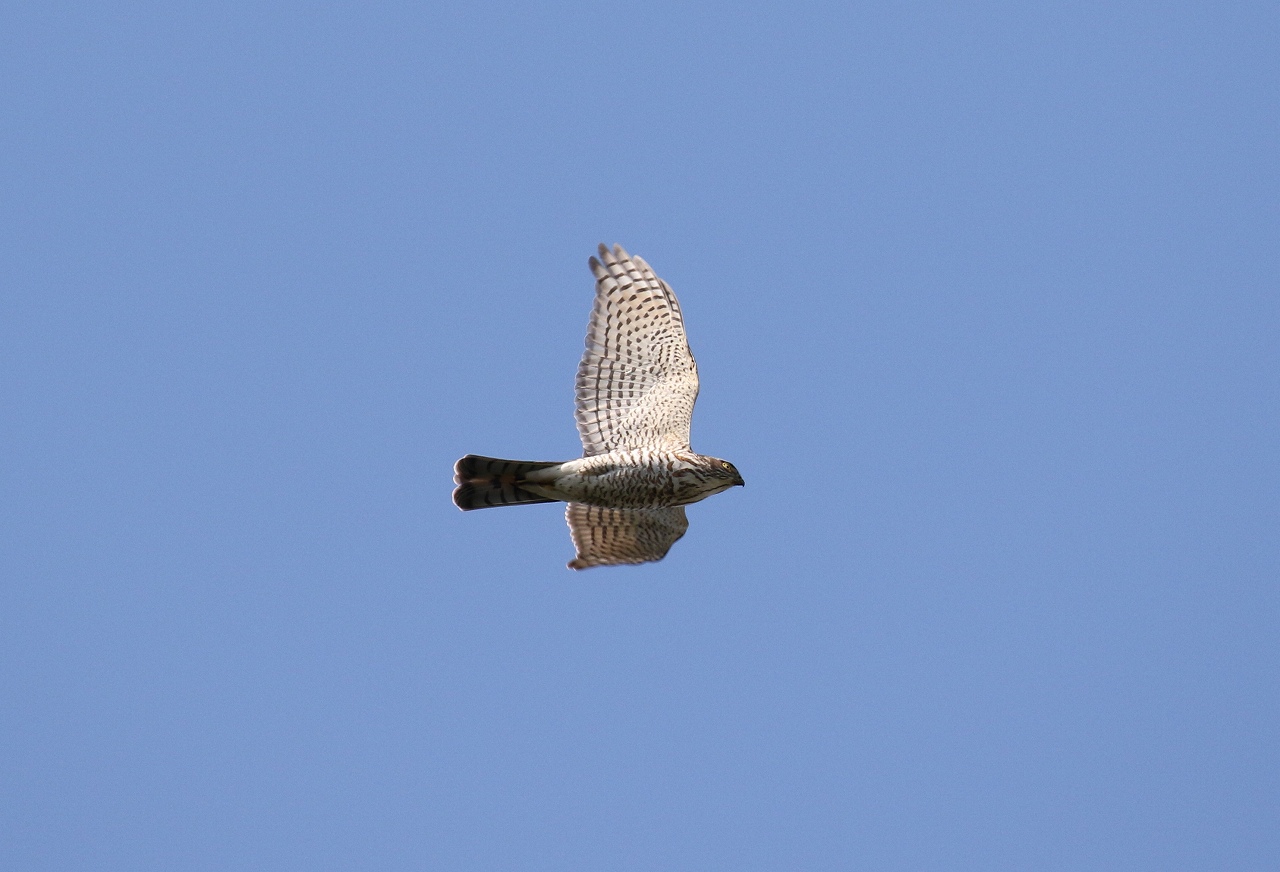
pixel 636 388
pixel 637 478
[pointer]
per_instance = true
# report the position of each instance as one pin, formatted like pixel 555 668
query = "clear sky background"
pixel 986 301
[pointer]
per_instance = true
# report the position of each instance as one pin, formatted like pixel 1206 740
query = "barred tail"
pixel 487 481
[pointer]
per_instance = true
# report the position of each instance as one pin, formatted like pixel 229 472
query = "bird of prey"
pixel 635 391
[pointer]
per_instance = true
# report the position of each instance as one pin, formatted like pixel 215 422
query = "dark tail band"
pixel 485 482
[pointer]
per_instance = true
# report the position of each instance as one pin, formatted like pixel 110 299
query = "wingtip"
pixel 611 253
pixel 609 256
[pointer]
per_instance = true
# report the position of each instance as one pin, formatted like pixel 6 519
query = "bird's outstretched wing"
pixel 607 537
pixel 637 381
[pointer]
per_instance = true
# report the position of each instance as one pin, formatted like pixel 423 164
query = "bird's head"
pixel 726 472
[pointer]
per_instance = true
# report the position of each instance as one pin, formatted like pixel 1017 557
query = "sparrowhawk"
pixel 636 386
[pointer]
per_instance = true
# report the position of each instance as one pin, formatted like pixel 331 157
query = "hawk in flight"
pixel 636 385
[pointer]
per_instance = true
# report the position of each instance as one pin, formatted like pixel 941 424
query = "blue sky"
pixel 984 298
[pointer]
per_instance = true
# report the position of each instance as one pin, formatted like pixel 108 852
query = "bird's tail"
pixel 487 481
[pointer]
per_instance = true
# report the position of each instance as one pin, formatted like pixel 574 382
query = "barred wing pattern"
pixel 607 537
pixel 637 381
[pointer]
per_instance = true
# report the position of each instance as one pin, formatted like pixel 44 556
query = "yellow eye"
pixel 726 464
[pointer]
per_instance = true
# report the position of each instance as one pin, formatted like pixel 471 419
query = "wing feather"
pixel 637 381
pixel 608 537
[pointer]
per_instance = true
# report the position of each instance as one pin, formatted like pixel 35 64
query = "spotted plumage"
pixel 636 387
